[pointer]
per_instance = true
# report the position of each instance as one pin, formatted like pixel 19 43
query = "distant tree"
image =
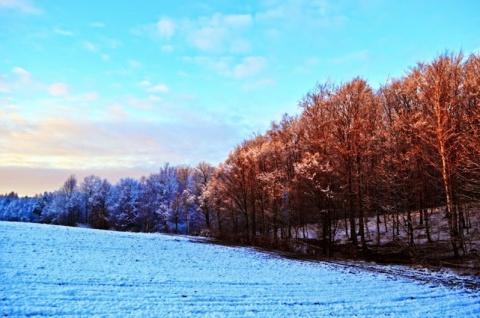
pixel 95 192
pixel 13 208
pixel 202 175
pixel 41 206
pixel 70 185
pixel 183 202
pixel 157 197
pixel 124 209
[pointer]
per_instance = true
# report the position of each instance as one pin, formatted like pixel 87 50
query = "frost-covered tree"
pixel 13 208
pixel 124 209
pixel 64 206
pixel 202 174
pixel 443 124
pixel 183 209
pixel 95 193
pixel 156 200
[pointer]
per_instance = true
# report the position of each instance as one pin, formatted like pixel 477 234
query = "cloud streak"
pixel 86 132
pixel 59 89
pixel 217 33
pixel 24 6
pixel 166 28
pixel 66 143
pixel 247 67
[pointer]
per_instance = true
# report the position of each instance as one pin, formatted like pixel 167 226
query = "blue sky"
pixel 117 88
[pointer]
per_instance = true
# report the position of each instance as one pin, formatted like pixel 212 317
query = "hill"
pixel 50 270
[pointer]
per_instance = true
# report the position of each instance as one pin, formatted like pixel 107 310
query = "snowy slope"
pixel 60 271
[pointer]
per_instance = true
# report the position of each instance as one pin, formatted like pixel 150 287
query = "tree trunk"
pixel 451 214
pixel 378 228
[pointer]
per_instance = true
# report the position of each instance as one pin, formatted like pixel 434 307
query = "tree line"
pixel 352 154
pixel 167 201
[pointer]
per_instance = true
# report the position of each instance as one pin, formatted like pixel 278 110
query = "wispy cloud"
pixel 220 32
pixel 135 64
pixel 18 80
pixel 247 67
pixel 149 87
pixel 259 84
pixel 90 46
pixel 307 66
pixel 208 38
pixel 352 57
pixel 110 43
pixel 250 66
pixel 63 32
pixel 167 48
pixel 119 140
pixel 24 6
pixel 303 14
pixel 91 96
pixel 165 28
pixel 4 84
pixel 75 131
pixel 145 84
pixel 160 88
pixel 59 89
pixel 97 24
pixel 216 33
pixel 25 76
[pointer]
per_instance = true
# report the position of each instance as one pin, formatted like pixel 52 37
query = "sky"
pixel 119 88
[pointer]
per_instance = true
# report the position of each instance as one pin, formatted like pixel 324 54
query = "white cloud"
pixel 272 13
pixel 59 89
pixel 250 66
pixel 145 83
pixel 259 84
pixel 160 88
pixel 135 64
pixel 65 142
pixel 90 46
pixel 4 85
pixel 20 81
pixel 220 65
pixel 220 32
pixel 359 56
pixel 63 32
pixel 24 6
pixel 237 20
pixel 229 21
pixel 165 28
pixel 116 112
pixel 308 66
pixel 25 76
pixel 209 38
pixel 240 46
pixel 91 96
pixel 304 13
pixel 110 43
pixel 149 87
pixel 155 99
pixel 97 25
pixel 215 33
pixel 167 48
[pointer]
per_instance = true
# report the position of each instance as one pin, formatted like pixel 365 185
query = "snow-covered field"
pixel 60 271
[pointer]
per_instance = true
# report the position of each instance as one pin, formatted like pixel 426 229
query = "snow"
pixel 61 271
